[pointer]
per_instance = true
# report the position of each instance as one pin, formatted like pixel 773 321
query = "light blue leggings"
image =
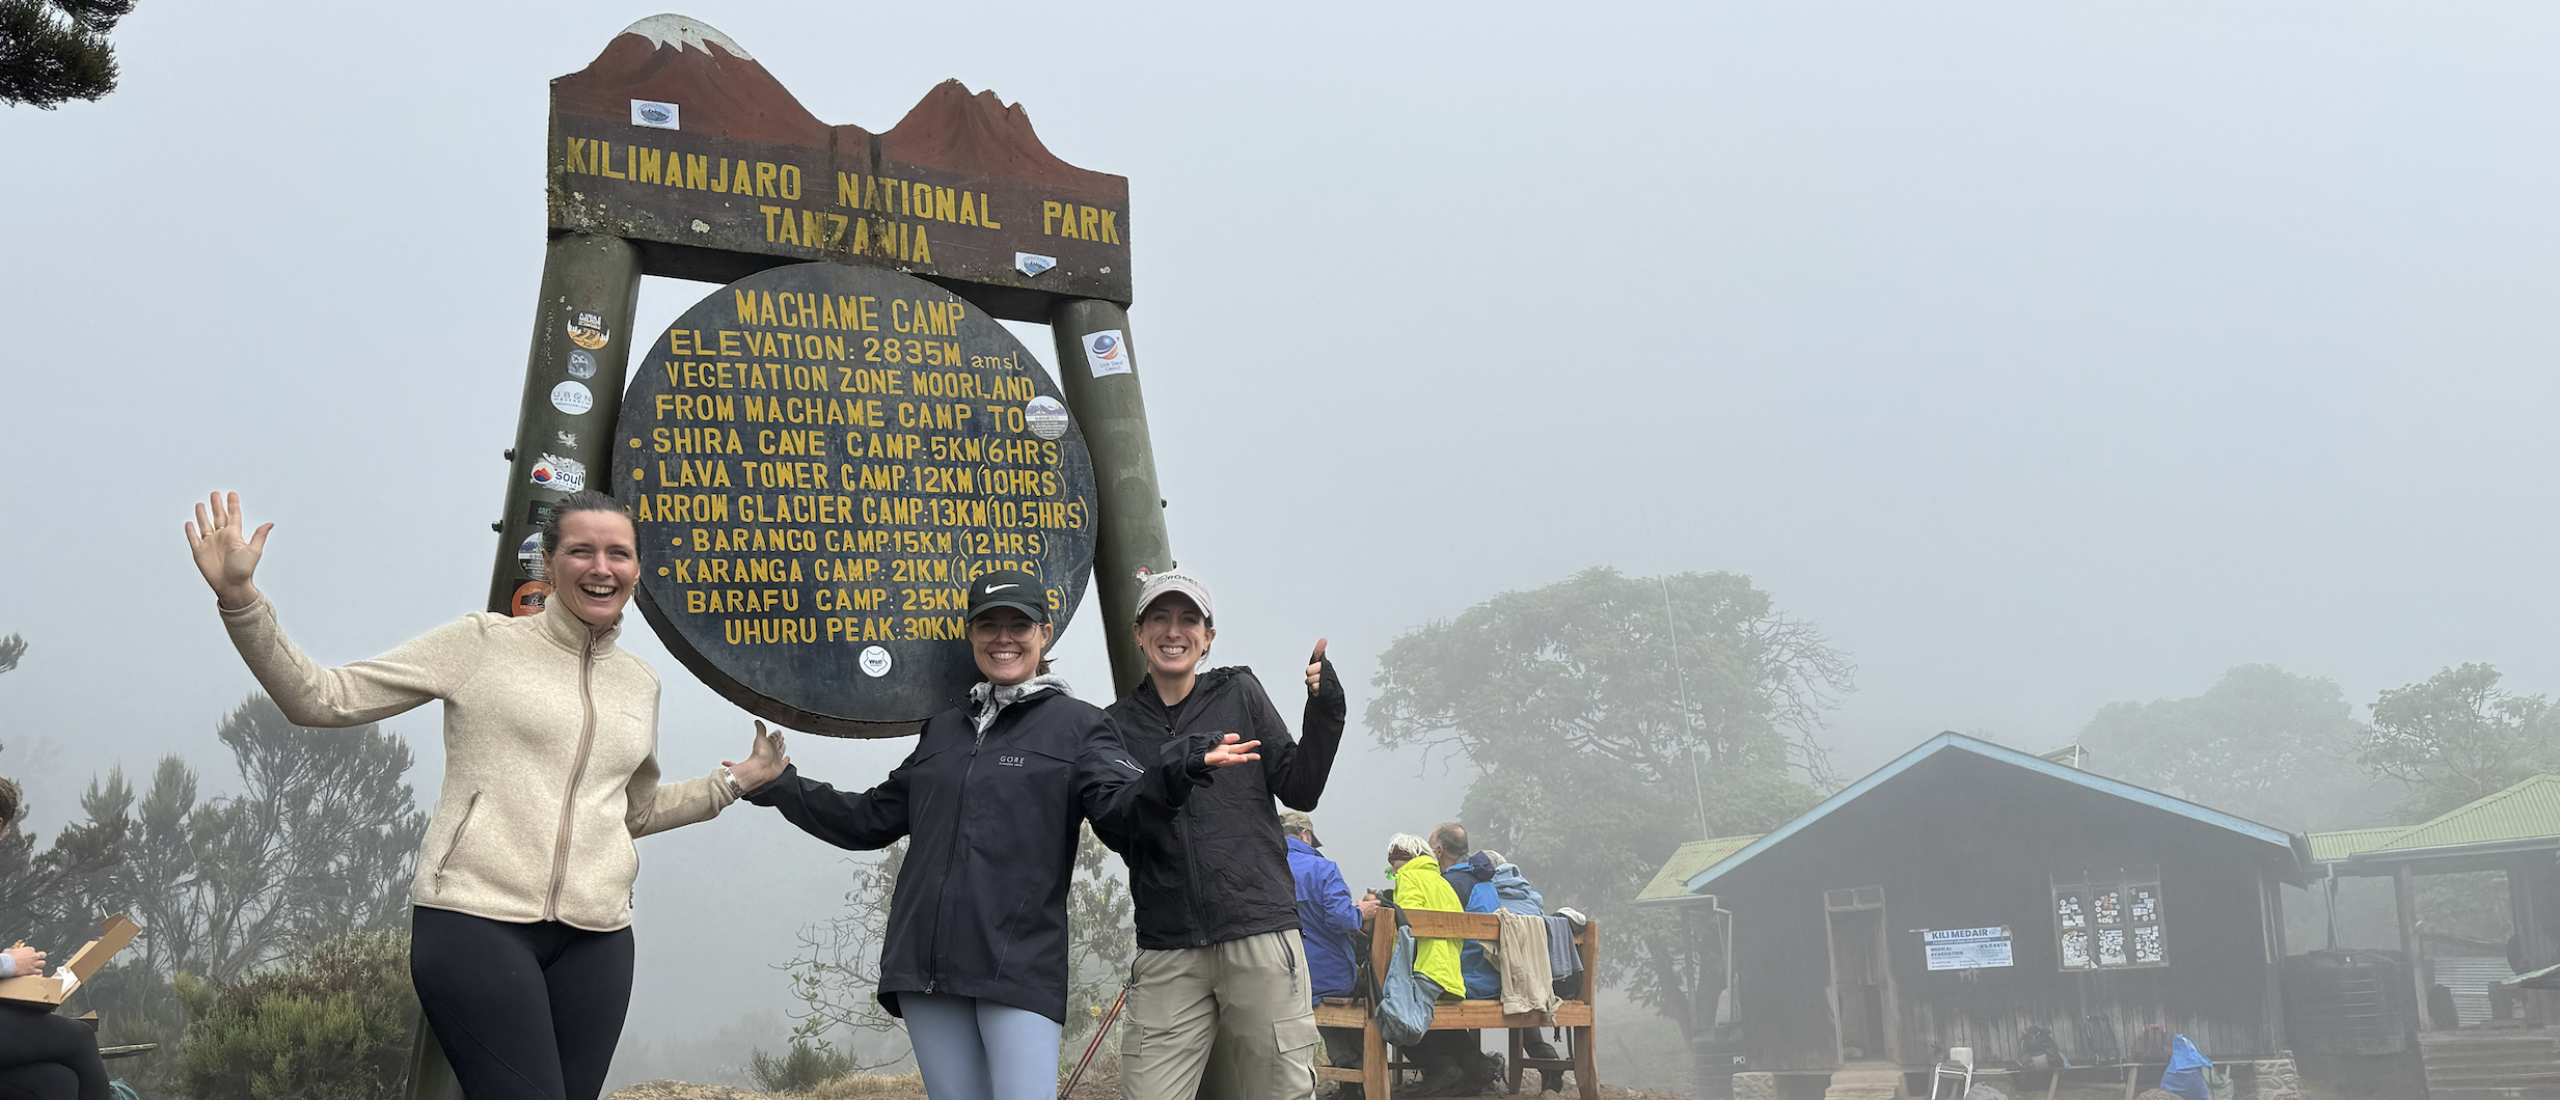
pixel 969 1049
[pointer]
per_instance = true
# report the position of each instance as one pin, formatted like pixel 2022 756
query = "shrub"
pixel 336 1026
pixel 799 1070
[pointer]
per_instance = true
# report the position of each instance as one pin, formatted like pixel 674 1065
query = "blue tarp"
pixel 2186 1071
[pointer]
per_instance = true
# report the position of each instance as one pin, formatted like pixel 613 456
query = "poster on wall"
pixel 1966 948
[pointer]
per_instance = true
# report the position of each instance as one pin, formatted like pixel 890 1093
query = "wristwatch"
pixel 735 791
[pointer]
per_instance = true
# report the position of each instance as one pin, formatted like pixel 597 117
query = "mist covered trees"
pixel 317 841
pixel 2263 743
pixel 1610 719
pixel 2458 736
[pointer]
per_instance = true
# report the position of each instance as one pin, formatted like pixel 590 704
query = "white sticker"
pixel 1107 352
pixel 529 555
pixel 1048 418
pixel 875 661
pixel 582 364
pixel 567 475
pixel 651 113
pixel 572 398
pixel 1032 264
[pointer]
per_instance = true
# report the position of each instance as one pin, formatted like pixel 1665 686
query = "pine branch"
pixel 45 60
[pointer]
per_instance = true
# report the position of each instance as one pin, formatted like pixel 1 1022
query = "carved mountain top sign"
pixel 677 139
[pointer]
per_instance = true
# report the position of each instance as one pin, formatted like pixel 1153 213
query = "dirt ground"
pixel 1101 1083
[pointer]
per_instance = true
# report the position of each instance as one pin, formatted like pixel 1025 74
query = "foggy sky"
pixel 2045 356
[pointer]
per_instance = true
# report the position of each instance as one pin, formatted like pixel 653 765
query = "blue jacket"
pixel 1473 882
pixel 1327 920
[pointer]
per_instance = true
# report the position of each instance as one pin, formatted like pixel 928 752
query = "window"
pixel 2109 920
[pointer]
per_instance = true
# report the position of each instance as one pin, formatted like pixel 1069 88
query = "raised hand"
pixel 1316 669
pixel 1231 750
pixel 228 560
pixel 764 763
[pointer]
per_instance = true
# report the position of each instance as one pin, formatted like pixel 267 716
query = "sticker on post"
pixel 572 398
pixel 582 363
pixel 1107 352
pixel 529 598
pixel 1030 263
pixel 586 329
pixel 567 475
pixel 529 555
pixel 653 114
pixel 875 661
pixel 1047 418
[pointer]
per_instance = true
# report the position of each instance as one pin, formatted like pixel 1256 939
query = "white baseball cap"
pixel 1158 584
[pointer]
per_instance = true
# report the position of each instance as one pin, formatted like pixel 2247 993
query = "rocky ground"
pixel 1101 1084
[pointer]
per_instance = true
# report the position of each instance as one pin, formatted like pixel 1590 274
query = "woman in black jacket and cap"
pixel 975 959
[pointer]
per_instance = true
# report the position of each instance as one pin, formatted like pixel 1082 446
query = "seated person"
pixel 43 1055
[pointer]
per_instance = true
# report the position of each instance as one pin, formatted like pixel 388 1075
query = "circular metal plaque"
pixel 819 458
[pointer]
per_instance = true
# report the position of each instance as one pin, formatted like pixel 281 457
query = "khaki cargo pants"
pixel 1247 998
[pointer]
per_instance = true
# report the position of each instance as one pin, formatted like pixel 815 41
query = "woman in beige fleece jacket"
pixel 521 910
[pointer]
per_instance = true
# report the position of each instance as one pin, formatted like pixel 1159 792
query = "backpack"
pixel 1404 1013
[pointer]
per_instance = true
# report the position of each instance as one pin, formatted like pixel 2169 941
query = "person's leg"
pixel 1342 1046
pixel 589 977
pixel 34 1037
pixel 950 1053
pixel 482 990
pixel 1171 1020
pixel 1266 1019
pixel 40 1081
pixel 1022 1051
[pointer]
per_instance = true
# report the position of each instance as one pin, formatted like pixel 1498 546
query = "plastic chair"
pixel 1958 1064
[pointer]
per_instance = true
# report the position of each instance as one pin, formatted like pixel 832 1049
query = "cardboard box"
pixel 49 990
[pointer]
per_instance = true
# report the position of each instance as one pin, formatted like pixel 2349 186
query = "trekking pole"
pixel 1089 1048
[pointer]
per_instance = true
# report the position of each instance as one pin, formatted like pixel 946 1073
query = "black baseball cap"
pixel 1009 588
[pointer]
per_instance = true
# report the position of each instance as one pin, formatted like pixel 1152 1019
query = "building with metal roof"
pixel 1968 894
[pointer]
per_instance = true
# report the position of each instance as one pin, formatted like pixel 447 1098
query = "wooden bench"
pixel 1377 1075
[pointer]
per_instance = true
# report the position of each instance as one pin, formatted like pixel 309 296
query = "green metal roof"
pixel 2331 847
pixel 2528 811
pixel 1672 881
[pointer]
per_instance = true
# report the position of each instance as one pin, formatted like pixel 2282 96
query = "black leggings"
pixel 46 1056
pixel 523 1011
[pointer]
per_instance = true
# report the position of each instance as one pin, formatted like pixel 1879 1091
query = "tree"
pixel 1610 719
pixel 1102 936
pixel 836 973
pixel 57 50
pixel 2262 743
pixel 2458 736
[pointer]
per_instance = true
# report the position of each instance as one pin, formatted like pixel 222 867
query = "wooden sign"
pixel 676 139
pixel 819 458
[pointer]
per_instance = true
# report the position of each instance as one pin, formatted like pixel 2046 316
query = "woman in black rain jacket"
pixel 975 959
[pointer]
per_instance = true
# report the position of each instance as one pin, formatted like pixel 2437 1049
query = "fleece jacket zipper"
pixel 577 771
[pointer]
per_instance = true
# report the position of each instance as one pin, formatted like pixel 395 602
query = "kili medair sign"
pixel 677 140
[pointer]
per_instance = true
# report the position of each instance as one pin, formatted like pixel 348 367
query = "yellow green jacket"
pixel 1419 886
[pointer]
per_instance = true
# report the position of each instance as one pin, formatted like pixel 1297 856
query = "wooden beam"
pixel 2404 897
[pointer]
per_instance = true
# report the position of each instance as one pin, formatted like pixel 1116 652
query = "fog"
pixel 2043 356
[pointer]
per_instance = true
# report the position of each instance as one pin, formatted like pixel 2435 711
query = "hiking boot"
pixel 1537 1046
pixel 1440 1077
pixel 1485 1070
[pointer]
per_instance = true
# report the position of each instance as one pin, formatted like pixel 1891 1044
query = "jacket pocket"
pixel 458 828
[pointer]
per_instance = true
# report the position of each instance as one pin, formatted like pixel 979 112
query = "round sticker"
pixel 875 661
pixel 572 398
pixel 529 555
pixel 586 329
pixel 582 364
pixel 530 596
pixel 1047 416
